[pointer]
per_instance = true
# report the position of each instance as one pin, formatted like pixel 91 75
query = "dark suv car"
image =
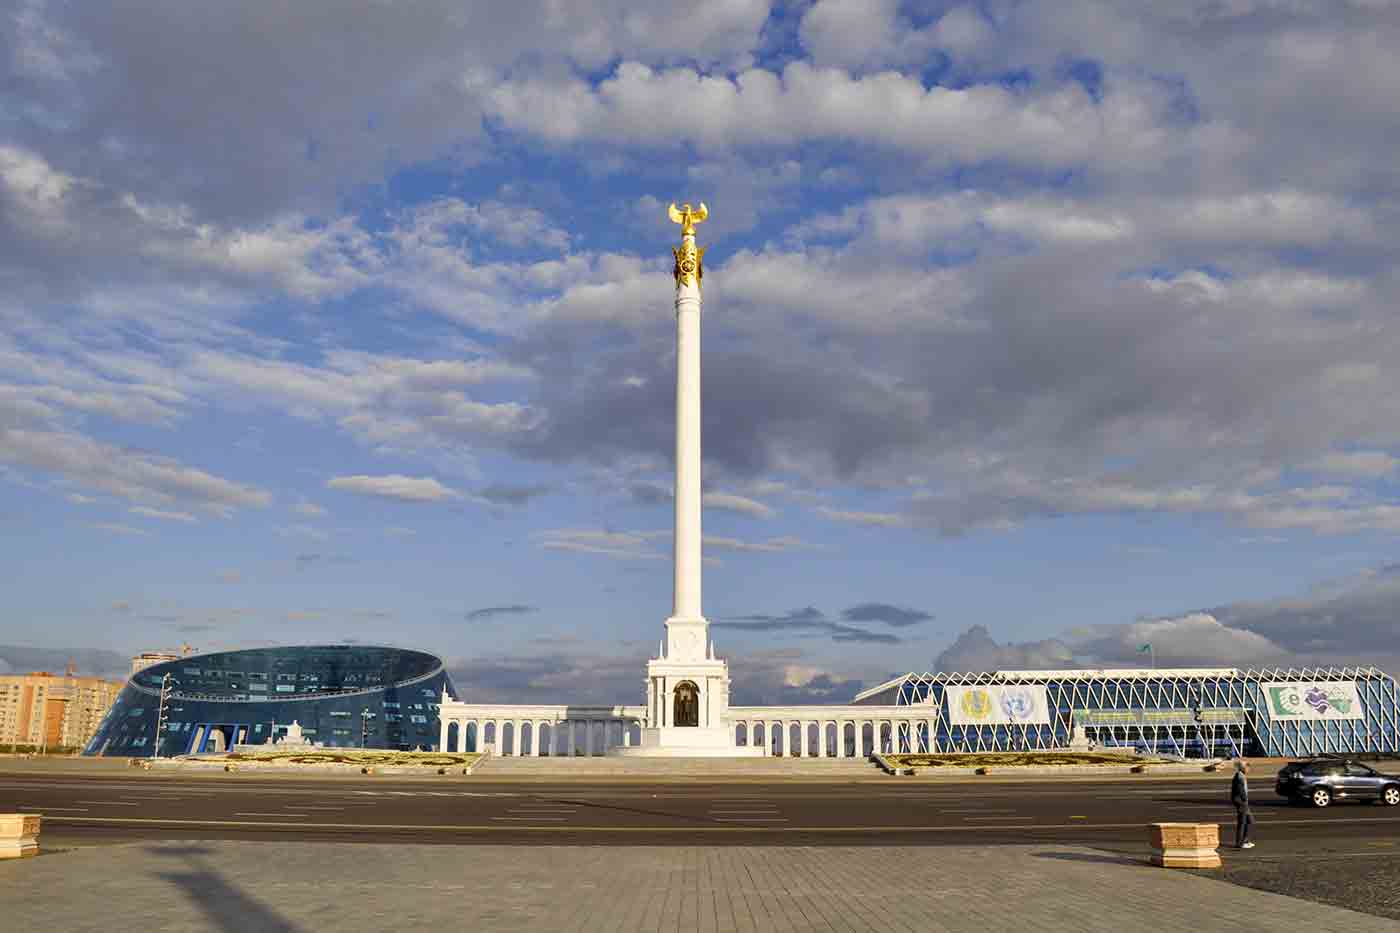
pixel 1319 781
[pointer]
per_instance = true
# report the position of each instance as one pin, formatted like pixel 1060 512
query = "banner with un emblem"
pixel 1021 705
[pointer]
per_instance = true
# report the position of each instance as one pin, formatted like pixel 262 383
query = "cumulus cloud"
pixel 89 662
pixel 1197 639
pixel 805 102
pixel 395 486
pixel 759 678
pixel 1351 621
pixel 976 650
pixel 810 622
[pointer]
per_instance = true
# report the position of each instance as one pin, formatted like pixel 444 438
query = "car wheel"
pixel 1391 796
pixel 1321 797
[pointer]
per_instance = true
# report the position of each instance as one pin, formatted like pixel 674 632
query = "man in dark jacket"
pixel 1239 798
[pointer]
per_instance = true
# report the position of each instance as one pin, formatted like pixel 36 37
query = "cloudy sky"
pixel 1033 332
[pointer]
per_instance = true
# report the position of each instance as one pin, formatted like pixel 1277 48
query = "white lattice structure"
pixel 1179 711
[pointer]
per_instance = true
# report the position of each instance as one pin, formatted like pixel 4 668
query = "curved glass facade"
pixel 343 696
pixel 1189 712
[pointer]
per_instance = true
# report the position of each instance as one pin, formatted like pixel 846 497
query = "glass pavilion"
pixel 343 696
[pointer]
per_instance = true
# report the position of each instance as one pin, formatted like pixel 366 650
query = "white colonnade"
pixel 805 731
pixel 518 730
pixel 841 731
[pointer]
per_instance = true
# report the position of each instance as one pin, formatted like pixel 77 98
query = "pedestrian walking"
pixel 1239 798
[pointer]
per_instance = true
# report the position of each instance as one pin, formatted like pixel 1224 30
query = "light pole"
pixel 364 727
pixel 165 683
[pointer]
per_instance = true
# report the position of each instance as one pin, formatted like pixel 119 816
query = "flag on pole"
pixel 1144 649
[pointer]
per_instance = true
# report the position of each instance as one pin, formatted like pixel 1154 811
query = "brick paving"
pixel 276 886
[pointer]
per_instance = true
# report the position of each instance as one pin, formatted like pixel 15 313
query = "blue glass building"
pixel 1189 712
pixel 343 696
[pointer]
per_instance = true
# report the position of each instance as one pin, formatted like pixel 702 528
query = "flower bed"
pixel 351 756
pixel 1014 760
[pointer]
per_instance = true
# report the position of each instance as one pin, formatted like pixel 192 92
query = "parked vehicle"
pixel 1321 781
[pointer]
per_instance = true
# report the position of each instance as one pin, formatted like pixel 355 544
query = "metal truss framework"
pixel 1157 711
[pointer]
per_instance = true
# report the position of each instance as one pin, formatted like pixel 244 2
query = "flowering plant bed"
pixel 352 756
pixel 1013 759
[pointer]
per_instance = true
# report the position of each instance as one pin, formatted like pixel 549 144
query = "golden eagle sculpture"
pixel 688 218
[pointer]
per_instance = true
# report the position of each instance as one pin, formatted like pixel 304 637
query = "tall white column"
pixel 686 595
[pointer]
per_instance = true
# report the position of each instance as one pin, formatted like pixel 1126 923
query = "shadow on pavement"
pixel 224 906
pixel 1105 858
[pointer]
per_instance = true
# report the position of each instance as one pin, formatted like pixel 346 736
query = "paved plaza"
pixel 252 886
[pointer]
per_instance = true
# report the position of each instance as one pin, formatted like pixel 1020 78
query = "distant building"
pixel 343 696
pixel 147 658
pixel 53 710
pixel 1190 711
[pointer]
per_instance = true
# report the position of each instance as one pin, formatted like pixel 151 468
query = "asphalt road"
pixel 1108 814
pixel 1345 855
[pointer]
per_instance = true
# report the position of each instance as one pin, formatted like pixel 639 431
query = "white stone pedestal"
pixel 688 663
pixel 19 835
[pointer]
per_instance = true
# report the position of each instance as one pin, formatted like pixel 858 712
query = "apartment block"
pixel 53 710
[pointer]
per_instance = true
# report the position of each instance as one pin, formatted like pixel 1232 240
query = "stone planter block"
pixel 19 835
pixel 1185 845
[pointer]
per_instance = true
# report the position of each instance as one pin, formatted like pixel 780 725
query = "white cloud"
pixel 131 475
pixel 772 545
pixel 730 502
pixel 1359 463
pixel 395 486
pixel 308 508
pixel 806 103
pixel 628 545
pixel 862 34
pixel 162 514
pixel 883 519
pixel 1194 639
pixel 117 529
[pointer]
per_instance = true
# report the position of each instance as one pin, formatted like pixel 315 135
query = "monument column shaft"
pixel 687 541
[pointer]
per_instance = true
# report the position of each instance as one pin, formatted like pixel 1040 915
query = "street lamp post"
pixel 364 728
pixel 165 683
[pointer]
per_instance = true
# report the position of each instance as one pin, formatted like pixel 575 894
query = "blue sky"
pixel 1033 332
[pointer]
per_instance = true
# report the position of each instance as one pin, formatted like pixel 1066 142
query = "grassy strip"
pixel 1013 760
